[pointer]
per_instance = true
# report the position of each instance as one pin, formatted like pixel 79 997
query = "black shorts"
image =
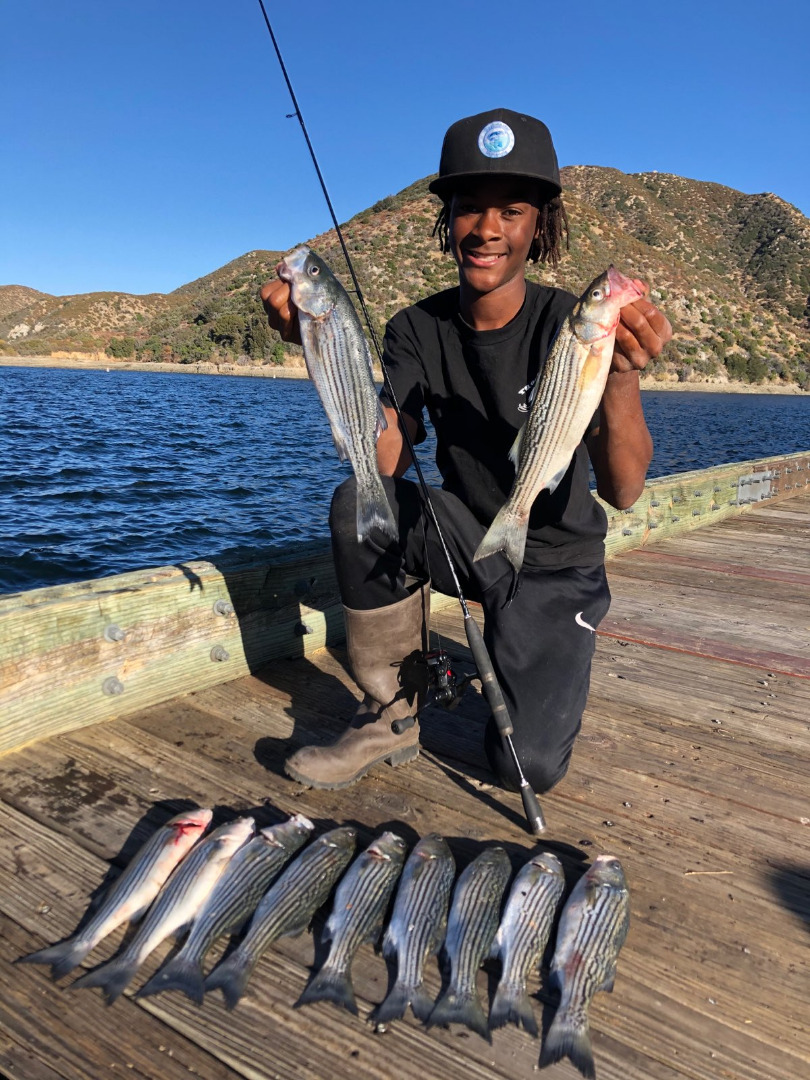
pixel 541 639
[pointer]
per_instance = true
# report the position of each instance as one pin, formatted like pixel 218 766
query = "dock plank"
pixel 691 765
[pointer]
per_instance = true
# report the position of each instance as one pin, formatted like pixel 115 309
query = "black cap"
pixel 497 143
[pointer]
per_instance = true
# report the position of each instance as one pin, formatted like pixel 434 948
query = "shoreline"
pixel 76 363
pixel 289 371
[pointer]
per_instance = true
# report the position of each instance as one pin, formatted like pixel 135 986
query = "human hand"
pixel 282 314
pixel 642 333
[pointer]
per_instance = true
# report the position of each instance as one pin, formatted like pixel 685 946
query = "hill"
pixel 731 271
pixel 17 297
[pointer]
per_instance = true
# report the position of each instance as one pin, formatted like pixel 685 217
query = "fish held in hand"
pixel 131 893
pixel 471 928
pixel 175 908
pixel 522 938
pixel 361 901
pixel 339 364
pixel 231 902
pixel 566 395
pixel 417 925
pixel 286 909
pixel 593 926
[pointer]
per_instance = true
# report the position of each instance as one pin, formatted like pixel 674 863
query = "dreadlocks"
pixel 552 223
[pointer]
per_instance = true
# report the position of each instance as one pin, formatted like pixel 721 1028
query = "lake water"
pixel 109 472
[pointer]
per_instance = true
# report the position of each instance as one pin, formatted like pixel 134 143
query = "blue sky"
pixel 145 144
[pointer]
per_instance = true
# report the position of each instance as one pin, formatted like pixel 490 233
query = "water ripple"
pixel 108 472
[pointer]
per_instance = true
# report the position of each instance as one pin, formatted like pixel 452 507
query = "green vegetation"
pixel 731 271
pixel 121 347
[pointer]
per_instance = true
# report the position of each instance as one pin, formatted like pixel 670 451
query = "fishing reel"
pixel 447 686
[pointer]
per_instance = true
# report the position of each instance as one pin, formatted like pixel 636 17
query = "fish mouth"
pixel 617 281
pixel 284 271
pixel 380 856
pixel 188 826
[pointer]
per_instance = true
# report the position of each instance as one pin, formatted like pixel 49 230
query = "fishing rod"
pixel 483 663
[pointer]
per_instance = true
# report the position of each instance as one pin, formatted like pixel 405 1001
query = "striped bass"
pixel 417 925
pixel 339 364
pixel 286 909
pixel 471 928
pixel 178 902
pixel 522 938
pixel 361 901
pixel 565 397
pixel 230 903
pixel 131 893
pixel 592 930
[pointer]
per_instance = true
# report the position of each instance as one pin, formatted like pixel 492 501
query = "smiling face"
pixel 492 224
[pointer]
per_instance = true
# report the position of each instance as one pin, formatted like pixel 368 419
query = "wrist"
pixel 623 385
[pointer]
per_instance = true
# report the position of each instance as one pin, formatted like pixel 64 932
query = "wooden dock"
pixel 692 767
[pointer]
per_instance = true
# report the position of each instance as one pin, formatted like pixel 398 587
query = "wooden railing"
pixel 73 655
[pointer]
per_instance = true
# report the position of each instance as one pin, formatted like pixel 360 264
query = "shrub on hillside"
pixel 121 347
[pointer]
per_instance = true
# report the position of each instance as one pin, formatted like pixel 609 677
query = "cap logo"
pixel 496 140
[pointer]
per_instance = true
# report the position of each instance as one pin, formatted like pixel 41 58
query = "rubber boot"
pixel 386 647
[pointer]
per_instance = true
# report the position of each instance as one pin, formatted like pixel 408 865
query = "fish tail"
pixel 395 1005
pixel 460 1008
pixel 511 1005
pixel 63 957
pixel 507 533
pixel 231 977
pixel 113 977
pixel 422 1004
pixel 178 974
pixel 374 510
pixel 330 984
pixel 568 1036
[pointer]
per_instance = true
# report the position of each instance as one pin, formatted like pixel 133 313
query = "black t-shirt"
pixel 475 385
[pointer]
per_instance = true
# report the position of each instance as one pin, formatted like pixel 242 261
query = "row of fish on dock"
pixel 208 886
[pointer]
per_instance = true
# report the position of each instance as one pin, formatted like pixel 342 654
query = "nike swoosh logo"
pixel 581 622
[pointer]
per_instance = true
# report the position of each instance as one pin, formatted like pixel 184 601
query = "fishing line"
pixel 483 663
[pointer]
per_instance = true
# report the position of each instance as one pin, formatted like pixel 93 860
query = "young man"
pixel 470 356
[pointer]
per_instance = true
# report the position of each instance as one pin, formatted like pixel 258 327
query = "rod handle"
pixel 531 807
pixel 486 673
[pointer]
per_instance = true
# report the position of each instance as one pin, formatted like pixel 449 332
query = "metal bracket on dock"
pixel 754 487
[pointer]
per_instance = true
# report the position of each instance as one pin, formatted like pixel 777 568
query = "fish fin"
pixel 568 1037
pixel 511 1005
pixel 113 977
pixel 341 444
pixel 554 482
pixel 453 1008
pixel 389 943
pixel 394 1006
pixel 374 512
pixel 63 957
pixel 514 453
pixel 231 977
pixel 382 423
pixel 178 974
pixel 507 533
pixel 422 1004
pixel 610 977
pixel 592 370
pixel 330 984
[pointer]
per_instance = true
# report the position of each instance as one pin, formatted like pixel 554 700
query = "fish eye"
pixel 596 294
pixel 314 270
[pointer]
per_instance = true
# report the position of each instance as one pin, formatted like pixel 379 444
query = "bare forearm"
pixel 393 456
pixel 621 448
